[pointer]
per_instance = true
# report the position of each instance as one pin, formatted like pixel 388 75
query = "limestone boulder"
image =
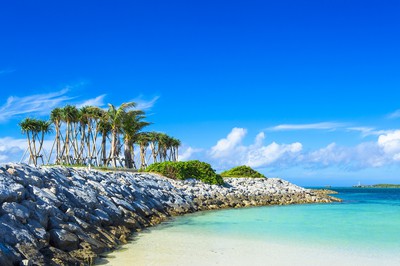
pixel 63 240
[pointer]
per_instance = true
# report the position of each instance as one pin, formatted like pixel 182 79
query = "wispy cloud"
pixel 38 104
pixel 6 71
pixel 97 101
pixel 369 131
pixel 314 126
pixel 394 115
pixel 12 149
pixel 143 104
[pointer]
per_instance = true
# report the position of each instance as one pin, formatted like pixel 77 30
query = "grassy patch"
pixel 242 171
pixel 184 170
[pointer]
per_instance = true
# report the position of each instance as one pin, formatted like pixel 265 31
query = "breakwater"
pixel 68 216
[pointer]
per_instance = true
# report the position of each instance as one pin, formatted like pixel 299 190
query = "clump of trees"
pixel 94 136
pixel 242 171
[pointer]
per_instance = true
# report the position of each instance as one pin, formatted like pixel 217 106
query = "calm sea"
pixel 366 223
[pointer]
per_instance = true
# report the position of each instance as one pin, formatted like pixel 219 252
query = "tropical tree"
pixel 56 117
pixel 153 138
pixel 175 148
pixel 94 116
pixel 103 128
pixel 132 124
pixel 32 128
pixel 28 127
pixel 163 144
pixel 70 116
pixel 143 141
pixel 116 116
pixel 43 127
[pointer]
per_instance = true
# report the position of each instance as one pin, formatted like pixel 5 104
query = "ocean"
pixel 362 230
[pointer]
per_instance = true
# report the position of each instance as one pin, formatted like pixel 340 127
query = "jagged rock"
pixel 19 211
pixel 31 253
pixel 10 191
pixel 103 216
pixel 8 256
pixel 63 240
pixel 45 195
pixel 37 230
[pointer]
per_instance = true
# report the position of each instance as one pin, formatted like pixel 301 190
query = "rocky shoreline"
pixel 68 216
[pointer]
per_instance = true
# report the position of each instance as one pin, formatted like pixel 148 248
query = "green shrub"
pixel 184 170
pixel 242 171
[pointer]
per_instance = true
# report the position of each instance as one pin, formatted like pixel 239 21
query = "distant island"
pixel 379 186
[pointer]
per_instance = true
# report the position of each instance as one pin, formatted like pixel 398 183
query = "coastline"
pixel 69 216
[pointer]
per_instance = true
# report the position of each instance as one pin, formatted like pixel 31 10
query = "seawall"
pixel 67 216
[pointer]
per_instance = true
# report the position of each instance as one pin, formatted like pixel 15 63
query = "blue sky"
pixel 316 82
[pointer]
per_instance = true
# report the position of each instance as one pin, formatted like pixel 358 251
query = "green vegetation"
pixel 242 171
pixel 184 170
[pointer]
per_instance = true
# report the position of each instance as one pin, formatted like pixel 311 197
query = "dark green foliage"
pixel 184 170
pixel 242 171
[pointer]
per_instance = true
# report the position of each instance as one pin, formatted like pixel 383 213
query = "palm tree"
pixel 28 127
pixel 83 121
pixel 116 116
pixel 32 128
pixel 104 129
pixel 94 115
pixel 163 143
pixel 70 116
pixel 153 137
pixel 131 125
pixel 43 127
pixel 143 140
pixel 175 146
pixel 56 116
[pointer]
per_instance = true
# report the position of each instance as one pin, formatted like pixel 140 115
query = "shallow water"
pixel 363 230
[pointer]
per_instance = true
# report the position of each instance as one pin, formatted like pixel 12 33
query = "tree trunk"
pixel 58 148
pixel 127 153
pixel 30 148
pixel 66 144
pixel 103 149
pixel 153 151
pixel 143 156
pixel 114 147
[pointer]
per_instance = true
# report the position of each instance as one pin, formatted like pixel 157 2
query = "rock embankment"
pixel 65 216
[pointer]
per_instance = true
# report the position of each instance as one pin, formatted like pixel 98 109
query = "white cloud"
pixel 230 151
pixel 369 131
pixel 12 149
pixel 390 143
pixel 38 104
pixel 332 154
pixel 226 146
pixel 314 126
pixel 142 104
pixel 188 153
pixel 97 101
pixel 272 153
pixel 395 114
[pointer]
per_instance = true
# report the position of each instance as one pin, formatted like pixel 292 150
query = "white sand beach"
pixel 163 247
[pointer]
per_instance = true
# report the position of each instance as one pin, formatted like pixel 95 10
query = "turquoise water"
pixel 367 222
pixel 367 219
